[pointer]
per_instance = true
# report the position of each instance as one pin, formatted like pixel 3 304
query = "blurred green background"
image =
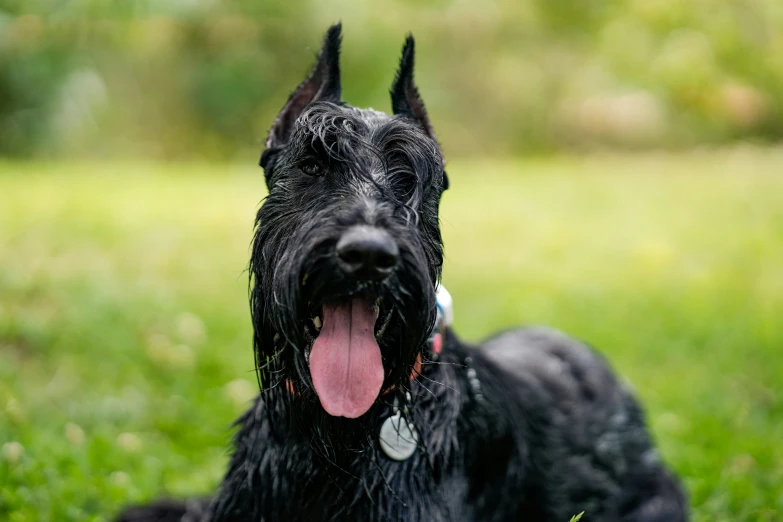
pixel 203 78
pixel 615 173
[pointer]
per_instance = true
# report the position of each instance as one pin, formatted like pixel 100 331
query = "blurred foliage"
pixel 204 78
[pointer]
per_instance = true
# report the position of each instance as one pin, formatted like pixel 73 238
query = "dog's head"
pixel 347 250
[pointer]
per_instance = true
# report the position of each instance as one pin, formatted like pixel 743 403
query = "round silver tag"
pixel 398 438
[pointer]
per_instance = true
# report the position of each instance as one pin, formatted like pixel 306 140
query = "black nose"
pixel 367 253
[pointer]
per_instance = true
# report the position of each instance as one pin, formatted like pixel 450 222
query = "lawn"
pixel 125 336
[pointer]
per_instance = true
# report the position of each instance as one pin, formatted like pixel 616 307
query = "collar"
pixel 444 309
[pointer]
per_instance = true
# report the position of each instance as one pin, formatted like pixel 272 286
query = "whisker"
pixel 436 382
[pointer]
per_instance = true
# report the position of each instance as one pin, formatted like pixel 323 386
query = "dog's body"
pixel 551 435
pixel 531 426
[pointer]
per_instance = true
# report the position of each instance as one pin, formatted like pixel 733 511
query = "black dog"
pixel 357 420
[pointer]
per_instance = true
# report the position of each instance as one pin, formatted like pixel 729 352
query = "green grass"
pixel 125 338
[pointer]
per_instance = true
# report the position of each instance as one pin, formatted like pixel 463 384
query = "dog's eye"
pixel 312 168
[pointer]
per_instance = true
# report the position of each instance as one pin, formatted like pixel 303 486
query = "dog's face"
pixel 347 250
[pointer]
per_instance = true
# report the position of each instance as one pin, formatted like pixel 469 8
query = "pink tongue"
pixel 345 362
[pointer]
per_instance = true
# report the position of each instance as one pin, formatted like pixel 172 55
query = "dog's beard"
pixel 306 292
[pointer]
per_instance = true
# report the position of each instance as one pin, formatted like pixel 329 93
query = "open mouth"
pixel 344 355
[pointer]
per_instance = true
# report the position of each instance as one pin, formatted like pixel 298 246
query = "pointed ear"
pixel 404 93
pixel 323 84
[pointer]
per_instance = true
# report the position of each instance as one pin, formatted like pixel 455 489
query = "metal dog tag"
pixel 398 438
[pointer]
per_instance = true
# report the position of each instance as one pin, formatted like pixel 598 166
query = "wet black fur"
pixel 540 432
